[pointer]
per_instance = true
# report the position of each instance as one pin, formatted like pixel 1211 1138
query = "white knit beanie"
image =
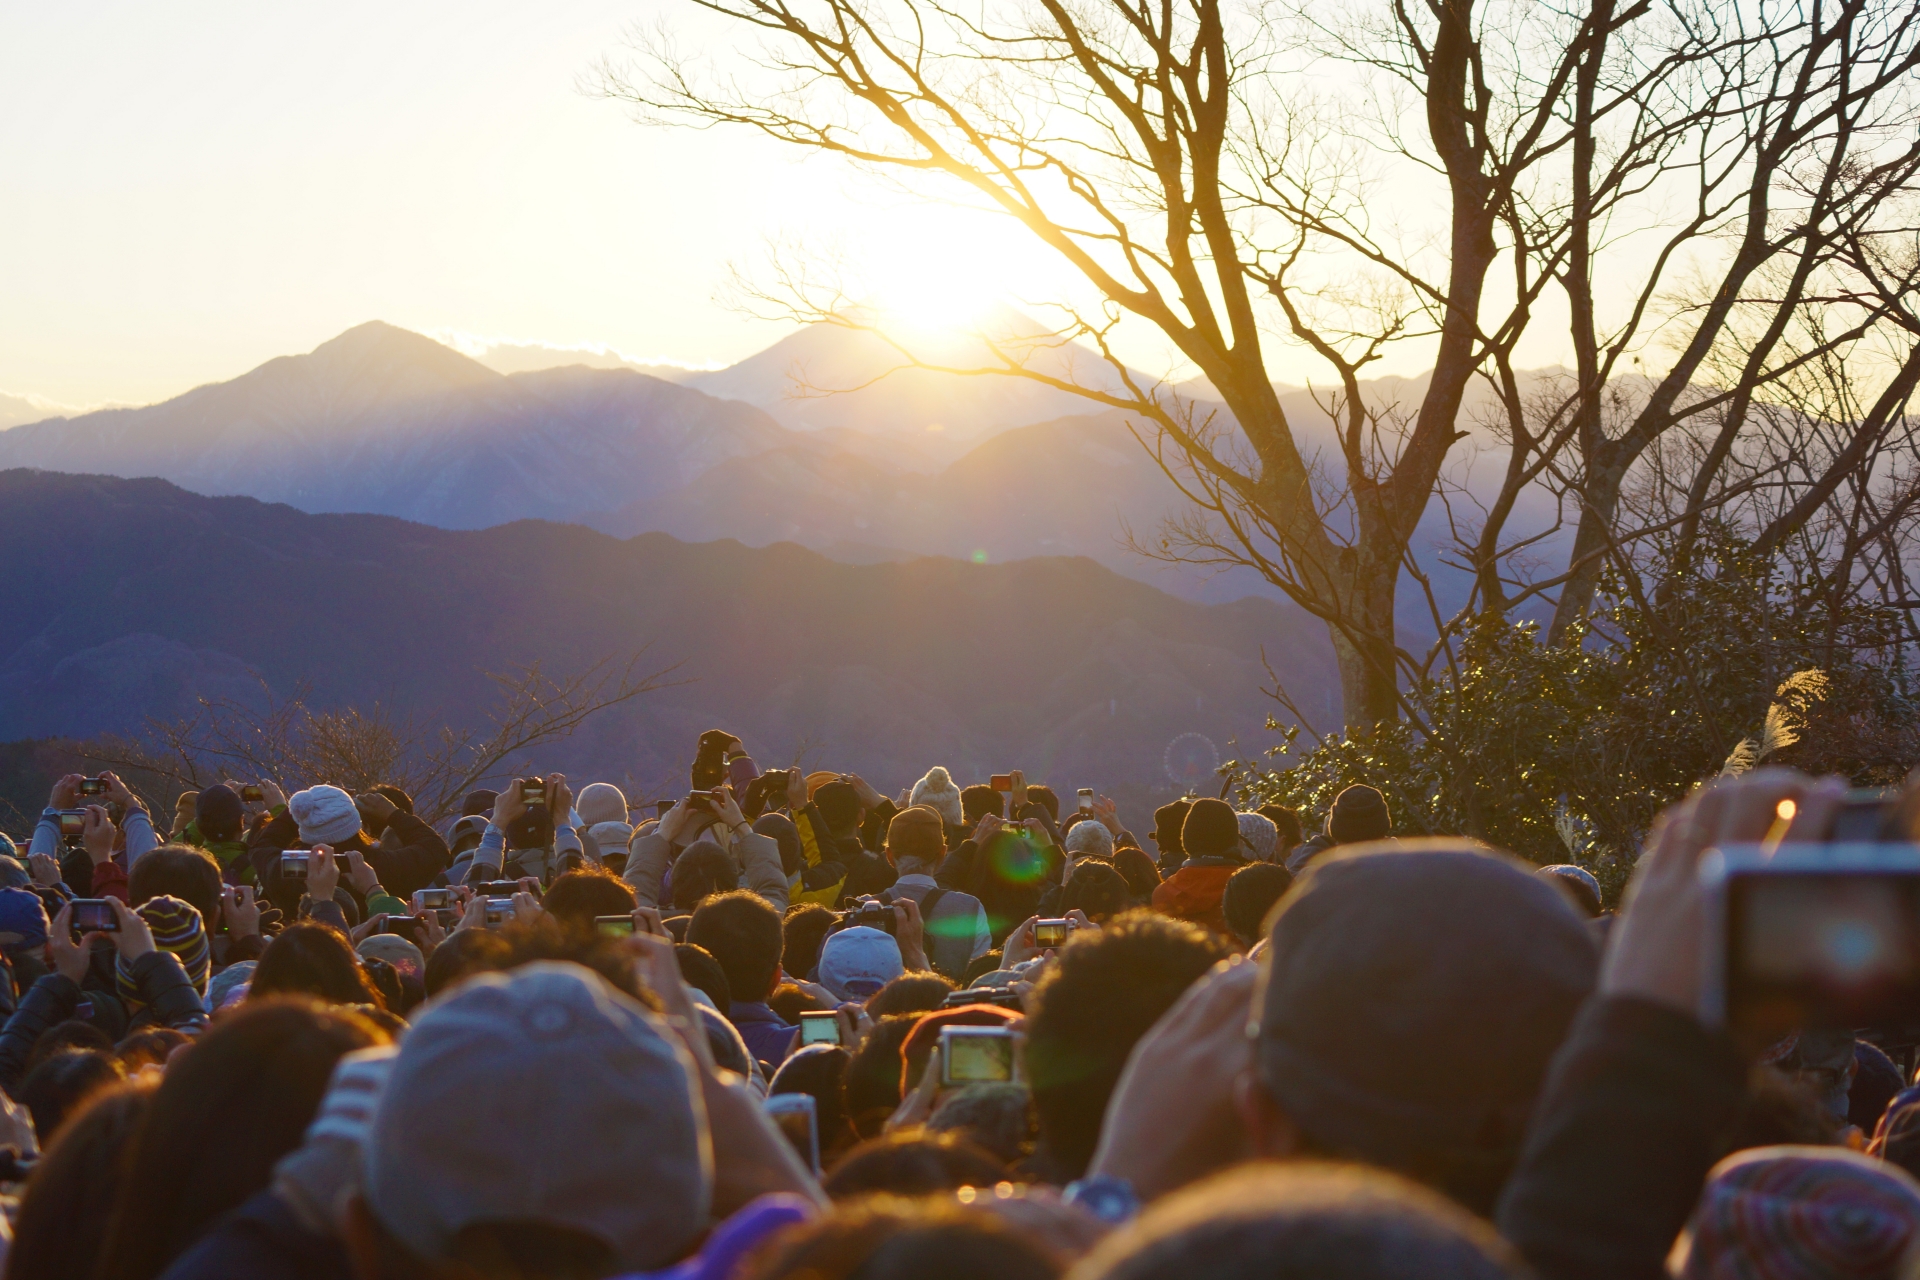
pixel 601 802
pixel 1090 836
pixel 326 815
pixel 1259 834
pixel 937 792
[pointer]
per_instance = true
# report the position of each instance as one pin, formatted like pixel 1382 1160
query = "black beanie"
pixel 1211 830
pixel 478 804
pixel 977 801
pixel 218 813
pixel 838 803
pixel 1359 814
pixel 401 800
pixel 1166 825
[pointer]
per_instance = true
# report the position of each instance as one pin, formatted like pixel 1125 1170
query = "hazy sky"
pixel 192 188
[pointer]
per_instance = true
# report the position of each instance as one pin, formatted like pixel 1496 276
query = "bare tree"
pixel 1188 162
pixel 293 743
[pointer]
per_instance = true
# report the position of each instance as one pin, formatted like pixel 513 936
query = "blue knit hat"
pixel 23 920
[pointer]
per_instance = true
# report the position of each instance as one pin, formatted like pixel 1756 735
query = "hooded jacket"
pixel 1195 890
pixel 756 858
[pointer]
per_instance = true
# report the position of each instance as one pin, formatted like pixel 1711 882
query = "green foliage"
pixel 1567 753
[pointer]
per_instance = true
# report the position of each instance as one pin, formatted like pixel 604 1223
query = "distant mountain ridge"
pixel 129 598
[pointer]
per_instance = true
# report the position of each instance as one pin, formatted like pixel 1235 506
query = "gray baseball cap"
pixel 542 1095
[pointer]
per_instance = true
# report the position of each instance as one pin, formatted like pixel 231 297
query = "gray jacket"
pixel 755 857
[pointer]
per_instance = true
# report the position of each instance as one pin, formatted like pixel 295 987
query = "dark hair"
pixel 820 1070
pixel 873 1077
pixel 702 870
pixel 465 952
pixel 984 963
pixel 71 1036
pixel 703 973
pixel 1287 823
pixel 56 1088
pixel 978 801
pixel 178 871
pixel 742 931
pixel 577 897
pixel 1782 1111
pixel 1043 796
pixel 997 1118
pixel 1874 1086
pixel 311 959
pixel 194 1157
pixel 1249 896
pixel 1138 870
pixel 1096 889
pixel 889 1239
pixel 910 993
pixel 63 1215
pixel 152 1047
pixel 1102 993
pixel 913 1163
pixel 805 930
pixel 1305 1221
pixel 789 1000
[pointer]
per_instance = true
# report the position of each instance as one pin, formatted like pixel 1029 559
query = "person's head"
pixel 937 792
pixel 702 870
pixel 1102 993
pixel 218 813
pixel 463 954
pixel 820 1071
pixel 63 1215
pixel 976 802
pixel 178 871
pixel 61 1082
pixel 1096 889
pixel 1303 1222
pixel 178 929
pixel 1211 830
pixel 804 930
pixel 1089 837
pixel 1258 836
pixel 464 1172
pixel 1167 822
pixel 1411 999
pixel 1579 883
pixel 478 804
pixel 856 963
pixel 913 1163
pixel 151 1047
pixel 1137 869
pixel 194 1158
pixel 1803 1213
pixel 1288 831
pixel 704 974
pixel 742 931
pixel 886 1238
pixel 601 802
pixel 325 815
pixel 839 807
pixel 467 833
pixel 997 1118
pixel 916 841
pixel 1359 814
pixel 576 897
pixel 310 959
pixel 1041 794
pixel 71 1036
pixel 1249 896
pixel 910 993
pixel 874 1075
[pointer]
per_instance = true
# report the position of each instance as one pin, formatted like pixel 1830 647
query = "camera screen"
pixel 1050 933
pixel 1822 948
pixel 614 926
pixel 432 899
pixel 94 915
pixel 973 1056
pixel 819 1028
pixel 92 787
pixel 72 824
pixel 294 865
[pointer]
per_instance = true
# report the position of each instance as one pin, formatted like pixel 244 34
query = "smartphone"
pixel 975 1055
pixel 1086 799
pixel 797 1118
pixel 73 823
pixel 1001 782
pixel 533 791
pixel 252 795
pixel 614 926
pixel 820 1028
pixel 661 808
pixel 499 911
pixel 1051 933
pixel 432 899
pixel 1811 935
pixel 405 927
pixel 294 864
pixel 94 915
pixel 93 786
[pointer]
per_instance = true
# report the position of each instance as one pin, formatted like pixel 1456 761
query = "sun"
pixel 927 299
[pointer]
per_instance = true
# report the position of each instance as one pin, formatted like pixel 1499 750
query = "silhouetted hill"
pixel 125 598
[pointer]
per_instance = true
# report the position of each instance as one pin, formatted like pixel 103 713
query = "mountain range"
pixel 128 599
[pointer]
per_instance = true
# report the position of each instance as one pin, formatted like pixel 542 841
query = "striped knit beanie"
pixel 1804 1213
pixel 177 928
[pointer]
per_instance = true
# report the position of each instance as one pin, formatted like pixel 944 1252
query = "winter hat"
pixel 1359 814
pixel 838 803
pixel 1089 837
pixel 218 813
pixel 977 801
pixel 937 792
pixel 395 950
pixel 859 961
pixel 8 849
pixel 229 986
pixel 1211 829
pixel 1167 820
pixel 23 920
pixel 1259 835
pixel 325 814
pixel 1577 881
pixel 478 803
pixel 785 834
pixel 176 927
pixel 601 802
pixel 1803 1213
pixel 14 873
pixel 916 835
pixel 473 826
pixel 1436 953
pixel 542 1156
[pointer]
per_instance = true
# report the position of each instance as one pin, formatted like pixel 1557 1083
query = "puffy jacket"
pixel 168 995
pixel 1194 892
pixel 755 857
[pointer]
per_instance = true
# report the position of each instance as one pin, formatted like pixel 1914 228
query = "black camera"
pixel 93 786
pixel 1003 997
pixel 868 912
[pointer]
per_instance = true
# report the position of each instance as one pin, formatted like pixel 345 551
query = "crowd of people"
pixel 789 1027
